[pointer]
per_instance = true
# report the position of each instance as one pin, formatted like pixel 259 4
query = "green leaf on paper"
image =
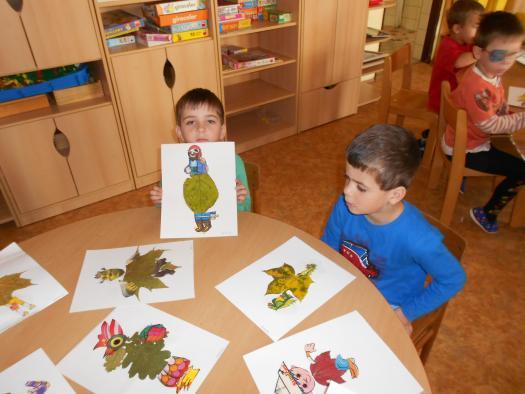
pixel 146 359
pixel 11 283
pixel 115 360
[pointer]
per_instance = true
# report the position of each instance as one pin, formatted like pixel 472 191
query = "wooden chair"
pixel 407 102
pixel 456 118
pixel 252 173
pixel 427 327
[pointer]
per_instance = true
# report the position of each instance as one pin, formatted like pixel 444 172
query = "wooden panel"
pixel 318 43
pixel 147 106
pixel 16 55
pixel 60 32
pixel 96 157
pixel 349 39
pixel 195 67
pixel 37 175
pixel 324 105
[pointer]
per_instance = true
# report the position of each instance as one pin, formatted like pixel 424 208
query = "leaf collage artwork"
pixel 142 271
pixel 199 199
pixel 8 285
pixel 144 353
pixel 135 274
pixel 285 281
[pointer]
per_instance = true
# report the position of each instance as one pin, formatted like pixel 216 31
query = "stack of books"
pixel 231 18
pixel 180 20
pixel 236 57
pixel 118 24
pixel 239 14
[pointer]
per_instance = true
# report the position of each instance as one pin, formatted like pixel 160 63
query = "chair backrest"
pixel 427 327
pixel 252 173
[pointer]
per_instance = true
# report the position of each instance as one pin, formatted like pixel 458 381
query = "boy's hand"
pixel 242 192
pixel 404 320
pixel 156 195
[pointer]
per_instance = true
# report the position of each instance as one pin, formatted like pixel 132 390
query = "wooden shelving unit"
pixel 254 96
pixel 5 213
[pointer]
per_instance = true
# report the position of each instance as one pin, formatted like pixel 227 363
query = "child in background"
pixel 390 233
pixel 455 49
pixel 200 118
pixel 480 92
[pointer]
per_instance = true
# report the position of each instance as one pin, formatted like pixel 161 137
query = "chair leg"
pixel 451 198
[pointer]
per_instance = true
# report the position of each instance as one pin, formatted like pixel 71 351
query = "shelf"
pixel 257 27
pixel 244 96
pixel 54 110
pixel 372 67
pixel 115 3
pixel 249 130
pixel 385 4
pixel 369 92
pixel 376 40
pixel 136 47
pixel 281 60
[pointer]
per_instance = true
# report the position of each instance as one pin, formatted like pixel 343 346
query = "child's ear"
pixel 223 132
pixel 456 29
pixel 178 133
pixel 476 51
pixel 397 194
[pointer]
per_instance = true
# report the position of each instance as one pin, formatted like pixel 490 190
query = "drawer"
pixel 326 104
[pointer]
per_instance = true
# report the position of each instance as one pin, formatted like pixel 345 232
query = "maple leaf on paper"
pixel 284 278
pixel 11 283
pixel 115 360
pixel 140 271
pixel 147 359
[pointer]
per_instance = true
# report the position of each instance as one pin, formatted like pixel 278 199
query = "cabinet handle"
pixel 169 74
pixel 61 143
pixel 16 4
pixel 329 87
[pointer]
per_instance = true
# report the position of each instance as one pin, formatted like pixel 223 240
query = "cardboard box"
pixel 14 107
pixel 78 93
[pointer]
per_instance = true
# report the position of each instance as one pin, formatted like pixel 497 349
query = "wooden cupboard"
pixel 55 164
pixel 149 85
pixel 333 36
pixel 40 34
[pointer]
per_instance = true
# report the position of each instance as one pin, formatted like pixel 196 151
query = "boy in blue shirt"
pixel 372 215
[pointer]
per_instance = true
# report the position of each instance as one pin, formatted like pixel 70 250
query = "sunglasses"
pixel 499 55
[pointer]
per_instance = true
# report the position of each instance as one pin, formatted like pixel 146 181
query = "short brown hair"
pixel 495 25
pixel 197 97
pixel 460 11
pixel 390 153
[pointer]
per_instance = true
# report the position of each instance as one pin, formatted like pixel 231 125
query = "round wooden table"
pixel 61 252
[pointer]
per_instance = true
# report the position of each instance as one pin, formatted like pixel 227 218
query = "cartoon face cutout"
pixel 304 378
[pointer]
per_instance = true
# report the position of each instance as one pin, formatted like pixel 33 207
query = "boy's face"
pixel 363 196
pixel 200 124
pixel 466 32
pixel 499 56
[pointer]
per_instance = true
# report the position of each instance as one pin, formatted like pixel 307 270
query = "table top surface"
pixel 61 253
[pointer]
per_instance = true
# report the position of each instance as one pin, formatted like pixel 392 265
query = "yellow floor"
pixel 481 346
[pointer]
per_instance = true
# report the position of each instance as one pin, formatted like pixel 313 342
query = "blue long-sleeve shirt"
pixel 404 252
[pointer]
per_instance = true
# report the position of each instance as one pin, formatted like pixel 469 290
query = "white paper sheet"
pixel 30 372
pixel 350 336
pixel 41 291
pixel 247 288
pixel 177 219
pixel 85 365
pixel 95 293
pixel 516 97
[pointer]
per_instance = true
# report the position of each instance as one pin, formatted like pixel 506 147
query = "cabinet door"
pixel 16 56
pixel 96 157
pixel 195 66
pixel 36 173
pixel 350 39
pixel 60 32
pixel 147 106
pixel 318 43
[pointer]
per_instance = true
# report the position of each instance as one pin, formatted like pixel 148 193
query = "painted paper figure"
pixel 200 191
pixel 37 386
pixel 8 285
pixel 288 285
pixel 145 354
pixel 323 370
pixel 141 271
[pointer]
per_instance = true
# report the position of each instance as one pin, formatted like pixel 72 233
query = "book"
pixel 227 8
pixel 173 7
pixel 371 56
pixel 231 17
pixel 276 16
pixel 267 2
pixel 250 13
pixel 190 35
pixel 119 22
pixel 121 40
pixel 225 27
pixel 172 19
pixel 375 34
pixel 233 49
pixel 151 35
pixel 179 27
pixel 251 58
